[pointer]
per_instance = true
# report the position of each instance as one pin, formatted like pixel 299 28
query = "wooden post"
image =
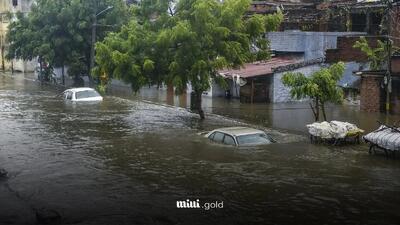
pixel 367 22
pixel 252 91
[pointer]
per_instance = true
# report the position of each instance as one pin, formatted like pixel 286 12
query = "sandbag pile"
pixel 333 130
pixel 385 137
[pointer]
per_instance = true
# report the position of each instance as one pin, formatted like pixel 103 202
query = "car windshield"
pixel 86 94
pixel 253 139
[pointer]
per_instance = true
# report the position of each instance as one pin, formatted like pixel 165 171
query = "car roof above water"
pixel 80 89
pixel 237 131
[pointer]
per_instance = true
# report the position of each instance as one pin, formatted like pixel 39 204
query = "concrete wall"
pixel 313 44
pixel 234 89
pixel 349 78
pixel 282 93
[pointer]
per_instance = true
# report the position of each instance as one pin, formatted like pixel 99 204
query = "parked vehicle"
pixel 82 95
pixel 239 136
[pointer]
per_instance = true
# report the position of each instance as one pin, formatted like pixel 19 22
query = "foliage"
pixel 321 87
pixel 377 56
pixel 59 32
pixel 188 44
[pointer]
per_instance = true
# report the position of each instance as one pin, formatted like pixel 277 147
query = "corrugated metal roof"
pixel 261 68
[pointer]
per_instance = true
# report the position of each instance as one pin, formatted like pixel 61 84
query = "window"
pixel 218 137
pixel 211 137
pixel 69 95
pixel 253 139
pixel 4 18
pixel 15 2
pixel 228 140
pixel 86 94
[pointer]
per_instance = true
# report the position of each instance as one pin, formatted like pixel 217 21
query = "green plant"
pixel 321 87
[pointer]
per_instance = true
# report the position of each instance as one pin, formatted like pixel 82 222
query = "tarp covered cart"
pixel 385 138
pixel 334 132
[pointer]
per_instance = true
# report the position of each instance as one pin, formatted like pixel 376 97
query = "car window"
pixel 218 137
pixel 211 137
pixel 253 139
pixel 228 140
pixel 86 94
pixel 69 95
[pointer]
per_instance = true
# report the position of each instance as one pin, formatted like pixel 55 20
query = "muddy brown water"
pixel 128 160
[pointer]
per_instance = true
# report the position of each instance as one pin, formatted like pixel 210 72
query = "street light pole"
pixel 93 42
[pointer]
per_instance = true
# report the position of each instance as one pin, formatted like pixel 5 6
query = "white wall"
pixel 282 93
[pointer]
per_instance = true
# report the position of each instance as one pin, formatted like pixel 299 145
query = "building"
pixel 332 16
pixel 296 51
pixel 7 8
pixel 375 85
pixel 262 81
pixel 327 30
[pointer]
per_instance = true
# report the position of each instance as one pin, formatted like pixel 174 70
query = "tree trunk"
pixel 323 110
pixel 313 110
pixel 40 69
pixel 198 105
pixel 63 75
pixel 2 57
pixel 316 109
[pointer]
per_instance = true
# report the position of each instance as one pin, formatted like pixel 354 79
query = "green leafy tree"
pixel 188 44
pixel 59 32
pixel 321 87
pixel 376 56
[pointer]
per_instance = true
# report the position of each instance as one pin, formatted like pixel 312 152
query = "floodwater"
pixel 128 160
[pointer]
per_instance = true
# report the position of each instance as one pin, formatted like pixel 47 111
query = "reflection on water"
pixel 127 161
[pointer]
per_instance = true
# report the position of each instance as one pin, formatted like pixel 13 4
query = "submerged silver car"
pixel 82 95
pixel 239 136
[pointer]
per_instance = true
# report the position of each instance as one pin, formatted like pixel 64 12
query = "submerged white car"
pixel 239 136
pixel 82 95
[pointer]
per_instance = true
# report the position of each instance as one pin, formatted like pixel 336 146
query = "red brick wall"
pixel 345 51
pixel 395 97
pixel 370 93
pixel 396 65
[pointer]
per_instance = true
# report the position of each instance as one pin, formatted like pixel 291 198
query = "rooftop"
pixel 262 67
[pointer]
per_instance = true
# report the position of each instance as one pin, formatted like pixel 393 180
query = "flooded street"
pixel 127 160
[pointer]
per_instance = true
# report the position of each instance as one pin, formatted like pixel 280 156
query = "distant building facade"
pixel 332 16
pixel 7 8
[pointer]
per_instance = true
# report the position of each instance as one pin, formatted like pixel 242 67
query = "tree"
pixel 321 87
pixel 186 45
pixel 376 56
pixel 58 32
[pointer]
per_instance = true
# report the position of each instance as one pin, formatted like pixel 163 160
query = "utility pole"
pixel 92 50
pixel 389 56
pixel 93 41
